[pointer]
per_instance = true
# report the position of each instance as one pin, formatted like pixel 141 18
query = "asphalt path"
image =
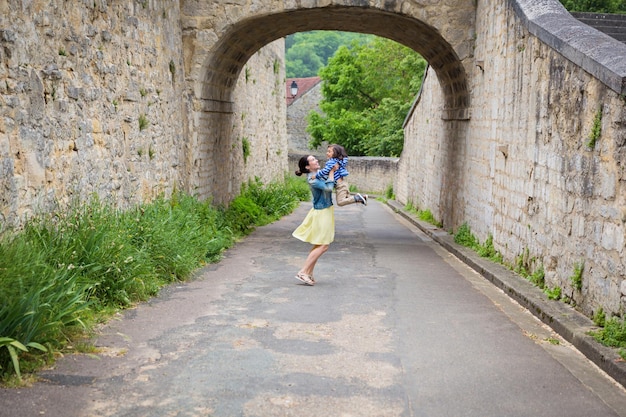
pixel 396 326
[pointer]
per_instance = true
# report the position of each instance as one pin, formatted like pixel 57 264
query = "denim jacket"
pixel 322 191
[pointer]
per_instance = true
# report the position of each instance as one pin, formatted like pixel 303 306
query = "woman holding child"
pixel 318 227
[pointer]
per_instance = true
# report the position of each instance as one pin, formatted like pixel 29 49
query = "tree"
pixel 307 52
pixel 595 6
pixel 303 61
pixel 367 91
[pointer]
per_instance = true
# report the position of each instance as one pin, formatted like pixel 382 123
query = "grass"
pixel 428 217
pixel 613 334
pixel 523 264
pixel 246 148
pixel 424 215
pixel 553 293
pixel 465 237
pixel 596 130
pixel 143 122
pixel 65 272
pixel 577 276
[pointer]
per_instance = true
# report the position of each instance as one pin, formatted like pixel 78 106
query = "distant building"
pixel 298 107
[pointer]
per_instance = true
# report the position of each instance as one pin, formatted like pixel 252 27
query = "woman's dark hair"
pixel 302 165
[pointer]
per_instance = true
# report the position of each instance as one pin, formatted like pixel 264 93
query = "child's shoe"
pixel 361 198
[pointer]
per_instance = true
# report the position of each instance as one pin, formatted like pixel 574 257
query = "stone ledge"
pixel 562 318
pixel 599 54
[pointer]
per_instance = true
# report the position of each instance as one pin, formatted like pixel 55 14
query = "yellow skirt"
pixel 318 227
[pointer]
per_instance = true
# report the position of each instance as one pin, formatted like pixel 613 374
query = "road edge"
pixel 572 325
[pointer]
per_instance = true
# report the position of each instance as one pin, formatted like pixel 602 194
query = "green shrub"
pixel 599 318
pixel 246 148
pixel 487 250
pixel 389 192
pixel 465 237
pixel 538 278
pixel 613 334
pixel 596 130
pixel 553 293
pixel 595 6
pixel 65 270
pixel 143 122
pixel 427 216
pixel 577 276
pixel 242 214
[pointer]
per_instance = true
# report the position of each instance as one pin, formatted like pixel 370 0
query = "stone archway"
pixel 444 41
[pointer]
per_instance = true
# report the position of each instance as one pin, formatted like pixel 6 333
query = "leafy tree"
pixel 307 52
pixel 302 60
pixel 595 6
pixel 367 91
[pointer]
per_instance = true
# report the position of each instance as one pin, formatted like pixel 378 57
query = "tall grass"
pixel 64 270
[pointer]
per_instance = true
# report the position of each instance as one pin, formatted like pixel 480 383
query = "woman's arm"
pixel 324 184
pixel 325 172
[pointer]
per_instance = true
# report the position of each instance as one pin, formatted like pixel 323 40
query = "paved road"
pixel 396 326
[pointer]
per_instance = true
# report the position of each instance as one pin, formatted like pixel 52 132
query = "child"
pixel 337 155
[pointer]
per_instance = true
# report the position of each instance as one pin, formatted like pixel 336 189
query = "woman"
pixel 318 227
pixel 337 155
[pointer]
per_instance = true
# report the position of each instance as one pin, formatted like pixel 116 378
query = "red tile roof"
pixel 304 85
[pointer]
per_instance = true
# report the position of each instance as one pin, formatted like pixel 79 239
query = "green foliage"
pixel 64 270
pixel 487 250
pixel 523 264
pixel 367 91
pixel 307 52
pixel 246 148
pixel 427 216
pixel 613 333
pixel 143 122
pixel 577 276
pixel 302 62
pixel 553 293
pixel 276 67
pixel 553 341
pixel 464 236
pixel 595 6
pixel 13 346
pixel 599 317
pixel 389 192
pixel 596 129
pixel 258 205
pixel 538 278
pixel 424 215
pixel 243 213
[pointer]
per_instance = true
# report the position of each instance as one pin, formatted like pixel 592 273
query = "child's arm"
pixel 342 168
pixel 323 173
pixel 324 183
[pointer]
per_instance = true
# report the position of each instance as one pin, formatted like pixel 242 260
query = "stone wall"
pixel 524 170
pixel 94 100
pixel 260 120
pixel 89 103
pixel 297 114
pixel 372 175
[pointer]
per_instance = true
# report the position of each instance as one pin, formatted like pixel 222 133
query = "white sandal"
pixel 307 279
